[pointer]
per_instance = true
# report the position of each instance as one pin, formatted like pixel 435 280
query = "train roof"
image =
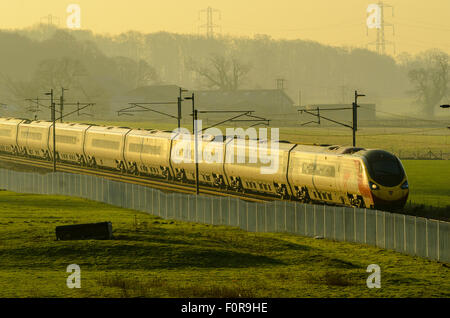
pixel 150 133
pixel 37 123
pixel 334 149
pixel 109 130
pixel 11 121
pixel 72 126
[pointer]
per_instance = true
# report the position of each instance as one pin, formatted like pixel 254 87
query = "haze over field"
pixel 419 25
pixel 319 49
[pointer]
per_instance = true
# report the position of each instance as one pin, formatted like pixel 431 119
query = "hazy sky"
pixel 419 24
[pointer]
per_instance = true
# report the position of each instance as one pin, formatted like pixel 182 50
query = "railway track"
pixel 144 181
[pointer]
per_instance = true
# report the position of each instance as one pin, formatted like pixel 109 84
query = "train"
pixel 330 174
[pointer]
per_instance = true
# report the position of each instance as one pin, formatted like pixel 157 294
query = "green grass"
pixel 161 258
pixel 429 182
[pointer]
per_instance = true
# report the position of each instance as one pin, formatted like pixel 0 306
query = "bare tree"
pixel 18 90
pixel 221 73
pixel 135 74
pixel 63 72
pixel 429 75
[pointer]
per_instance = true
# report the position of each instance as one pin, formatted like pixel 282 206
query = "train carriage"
pixel 212 170
pixel 148 152
pixel 328 174
pixel 33 139
pixel 8 134
pixel 69 142
pixel 104 147
pixel 248 166
pixel 210 157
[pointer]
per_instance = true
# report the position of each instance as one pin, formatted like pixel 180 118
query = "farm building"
pixel 262 101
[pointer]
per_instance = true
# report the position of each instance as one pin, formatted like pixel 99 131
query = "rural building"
pixel 262 101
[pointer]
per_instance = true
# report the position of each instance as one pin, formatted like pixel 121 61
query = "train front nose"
pixel 388 182
pixel 390 197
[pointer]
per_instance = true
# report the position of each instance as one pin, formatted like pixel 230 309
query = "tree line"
pixel 99 67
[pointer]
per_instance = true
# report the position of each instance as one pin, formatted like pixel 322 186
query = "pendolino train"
pixel 308 173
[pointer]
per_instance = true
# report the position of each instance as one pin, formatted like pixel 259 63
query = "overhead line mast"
pixel 381 41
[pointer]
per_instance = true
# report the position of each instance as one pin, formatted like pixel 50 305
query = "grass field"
pixel 151 257
pixel 429 182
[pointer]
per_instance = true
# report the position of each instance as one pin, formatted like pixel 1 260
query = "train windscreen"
pixel 384 168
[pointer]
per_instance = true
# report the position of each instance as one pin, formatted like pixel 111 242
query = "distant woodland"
pixel 97 67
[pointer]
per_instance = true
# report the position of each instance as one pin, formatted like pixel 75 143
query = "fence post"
pixel 238 214
pixel 343 219
pixel 246 211
pixel 314 217
pixel 415 235
pixel 376 227
pixel 395 239
pixel 354 224
pixel 196 208
pixel 426 235
pixel 306 228
pixel 256 218
pixel 438 256
pixel 188 208
pixel 204 211
pixel 265 217
pixel 384 225
pixel 275 214
pixel 211 209
pixel 334 222
pixel 365 226
pixel 295 218
pixel 404 232
pixel 229 210
pixel 159 203
pixel 324 221
pixel 221 214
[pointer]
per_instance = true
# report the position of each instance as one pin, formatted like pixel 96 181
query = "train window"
pixel 327 171
pixel 34 135
pixel 150 149
pixel 66 139
pixel 308 168
pixel 135 148
pixel 106 144
pixel 384 168
pixel 318 169
pixel 5 132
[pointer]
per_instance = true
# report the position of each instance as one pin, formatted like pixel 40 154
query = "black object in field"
pixel 99 231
